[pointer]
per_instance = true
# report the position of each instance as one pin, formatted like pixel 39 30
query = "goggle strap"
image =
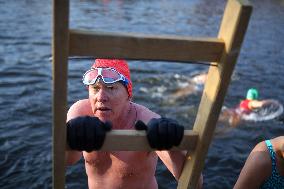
pixel 99 71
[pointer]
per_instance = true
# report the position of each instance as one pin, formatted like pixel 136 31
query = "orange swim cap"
pixel 119 65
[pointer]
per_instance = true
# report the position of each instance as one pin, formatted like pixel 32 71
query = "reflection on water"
pixel 25 84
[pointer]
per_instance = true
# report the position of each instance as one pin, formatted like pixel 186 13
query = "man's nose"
pixel 102 95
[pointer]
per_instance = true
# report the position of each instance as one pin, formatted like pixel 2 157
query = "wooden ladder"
pixel 221 53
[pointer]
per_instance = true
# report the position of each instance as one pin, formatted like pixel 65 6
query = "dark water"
pixel 25 84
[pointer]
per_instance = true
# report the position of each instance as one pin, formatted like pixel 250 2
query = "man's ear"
pixel 129 98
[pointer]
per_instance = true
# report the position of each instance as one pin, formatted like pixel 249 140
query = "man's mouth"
pixel 103 109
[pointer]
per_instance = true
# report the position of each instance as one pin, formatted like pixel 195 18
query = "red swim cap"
pixel 119 65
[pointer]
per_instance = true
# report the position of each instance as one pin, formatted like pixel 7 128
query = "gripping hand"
pixel 86 133
pixel 162 133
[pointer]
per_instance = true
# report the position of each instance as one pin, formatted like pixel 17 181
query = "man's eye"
pixel 110 87
pixel 96 89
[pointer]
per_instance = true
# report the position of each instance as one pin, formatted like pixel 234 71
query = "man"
pixel 110 106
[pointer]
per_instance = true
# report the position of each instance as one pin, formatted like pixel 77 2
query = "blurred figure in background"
pixel 194 86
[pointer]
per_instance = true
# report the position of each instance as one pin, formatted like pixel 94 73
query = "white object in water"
pixel 270 110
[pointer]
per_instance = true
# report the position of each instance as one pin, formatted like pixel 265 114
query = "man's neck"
pixel 127 118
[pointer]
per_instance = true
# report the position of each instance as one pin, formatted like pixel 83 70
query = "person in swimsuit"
pixel 264 168
pixel 110 106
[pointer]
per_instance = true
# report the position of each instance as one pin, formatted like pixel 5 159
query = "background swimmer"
pixel 195 85
pixel 251 109
pixel 251 102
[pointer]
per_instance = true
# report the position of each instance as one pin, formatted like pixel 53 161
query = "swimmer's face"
pixel 108 100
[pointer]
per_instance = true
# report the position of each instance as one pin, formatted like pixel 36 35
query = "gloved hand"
pixel 86 133
pixel 162 133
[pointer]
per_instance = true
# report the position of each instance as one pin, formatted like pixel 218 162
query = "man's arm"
pixel 256 104
pixel 72 156
pixel 173 160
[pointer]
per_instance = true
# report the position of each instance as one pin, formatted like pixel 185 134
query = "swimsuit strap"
pixel 275 180
pixel 272 154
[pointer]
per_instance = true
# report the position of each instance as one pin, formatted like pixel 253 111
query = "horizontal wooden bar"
pixel 133 140
pixel 144 47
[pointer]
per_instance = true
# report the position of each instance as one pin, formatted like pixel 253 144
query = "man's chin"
pixel 103 115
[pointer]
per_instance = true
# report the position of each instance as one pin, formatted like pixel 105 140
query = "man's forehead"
pixel 100 82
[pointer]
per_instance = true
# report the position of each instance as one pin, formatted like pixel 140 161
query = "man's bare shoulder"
pixel 82 103
pixel 145 114
pixel 79 108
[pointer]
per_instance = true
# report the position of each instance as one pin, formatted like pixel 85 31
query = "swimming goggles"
pixel 107 75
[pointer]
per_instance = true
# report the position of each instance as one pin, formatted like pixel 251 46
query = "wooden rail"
pixel 137 141
pixel 144 47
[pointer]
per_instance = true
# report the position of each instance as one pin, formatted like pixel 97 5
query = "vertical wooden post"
pixel 232 31
pixel 60 70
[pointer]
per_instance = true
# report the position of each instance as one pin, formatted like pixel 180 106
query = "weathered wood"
pixel 144 47
pixel 232 31
pixel 59 107
pixel 133 140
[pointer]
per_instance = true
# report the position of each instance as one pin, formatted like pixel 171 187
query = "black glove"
pixel 162 133
pixel 86 133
